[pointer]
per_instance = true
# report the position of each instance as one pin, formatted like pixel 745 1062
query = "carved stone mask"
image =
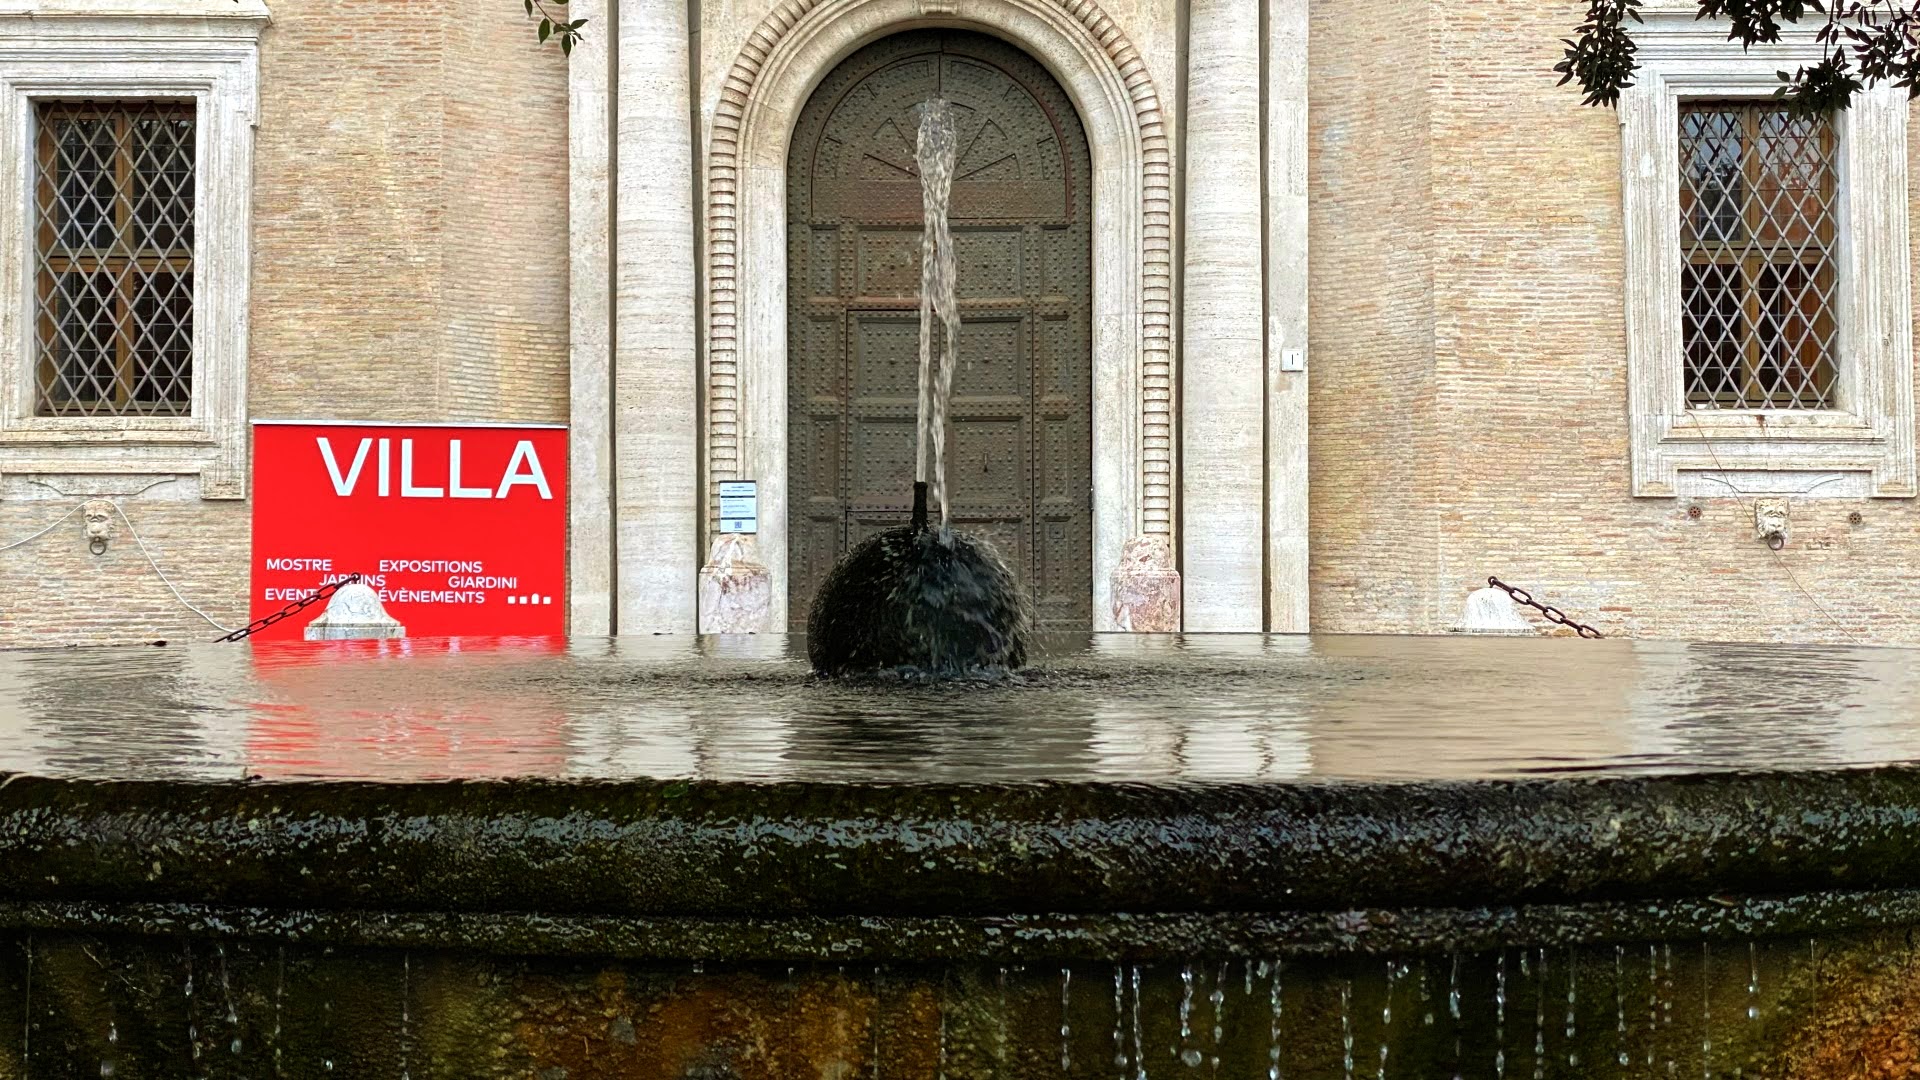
pixel 99 518
pixel 1770 521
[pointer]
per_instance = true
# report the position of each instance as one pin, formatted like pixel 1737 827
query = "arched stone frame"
pixel 795 47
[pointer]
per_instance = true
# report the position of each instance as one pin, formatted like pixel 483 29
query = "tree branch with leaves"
pixel 554 27
pixel 1864 43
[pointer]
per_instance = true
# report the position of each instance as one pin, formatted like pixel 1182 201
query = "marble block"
pixel 1146 587
pixel 1492 611
pixel 736 592
pixel 354 613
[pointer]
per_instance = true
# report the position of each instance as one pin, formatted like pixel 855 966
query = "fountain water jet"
pixel 919 598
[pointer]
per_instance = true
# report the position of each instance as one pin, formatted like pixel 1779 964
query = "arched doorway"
pixel 1019 455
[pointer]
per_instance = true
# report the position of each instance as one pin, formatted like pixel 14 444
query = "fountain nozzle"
pixel 919 505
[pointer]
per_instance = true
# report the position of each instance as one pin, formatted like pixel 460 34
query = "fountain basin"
pixel 496 858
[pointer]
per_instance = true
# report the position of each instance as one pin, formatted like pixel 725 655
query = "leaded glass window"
pixel 1758 194
pixel 114 206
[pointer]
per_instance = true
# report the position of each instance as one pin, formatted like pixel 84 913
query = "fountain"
pixel 1228 856
pixel 916 599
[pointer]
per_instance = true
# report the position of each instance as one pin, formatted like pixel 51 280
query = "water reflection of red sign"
pixel 418 709
pixel 460 529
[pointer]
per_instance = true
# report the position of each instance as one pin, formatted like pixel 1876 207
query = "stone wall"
pixel 1468 375
pixel 409 263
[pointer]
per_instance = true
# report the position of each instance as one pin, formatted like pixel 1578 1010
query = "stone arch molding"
pixel 784 58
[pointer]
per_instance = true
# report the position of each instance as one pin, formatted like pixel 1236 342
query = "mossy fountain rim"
pixel 795 871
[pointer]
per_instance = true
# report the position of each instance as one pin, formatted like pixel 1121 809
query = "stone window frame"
pixel 204 51
pixel 1865 446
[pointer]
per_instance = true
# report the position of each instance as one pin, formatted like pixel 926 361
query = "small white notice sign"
pixel 739 506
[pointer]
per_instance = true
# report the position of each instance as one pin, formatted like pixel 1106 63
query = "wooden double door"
pixel 1019 429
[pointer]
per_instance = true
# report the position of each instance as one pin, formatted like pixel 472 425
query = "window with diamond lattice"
pixel 114 203
pixel 1757 195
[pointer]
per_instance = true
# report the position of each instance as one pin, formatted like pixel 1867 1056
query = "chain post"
pixel 1553 614
pixel 290 610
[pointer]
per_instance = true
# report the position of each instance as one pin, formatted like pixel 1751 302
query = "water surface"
pixel 1115 707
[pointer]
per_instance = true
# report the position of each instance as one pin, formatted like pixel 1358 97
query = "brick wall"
pixel 409 255
pixel 1372 540
pixel 1521 467
pixel 53 591
pixel 411 214
pixel 504 259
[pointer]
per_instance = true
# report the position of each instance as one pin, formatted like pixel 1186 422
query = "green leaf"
pixel 546 29
pixel 566 46
pixel 529 7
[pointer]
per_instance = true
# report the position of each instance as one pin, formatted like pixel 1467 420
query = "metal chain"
pixel 290 610
pixel 1553 614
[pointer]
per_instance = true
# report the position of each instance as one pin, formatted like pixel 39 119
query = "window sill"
pixel 65 463
pixel 120 433
pixel 1772 425
pixel 135 9
pixel 1813 455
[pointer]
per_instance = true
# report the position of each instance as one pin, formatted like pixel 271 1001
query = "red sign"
pixel 461 530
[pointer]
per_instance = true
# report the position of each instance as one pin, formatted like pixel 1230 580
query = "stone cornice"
pixel 1670 33
pixel 143 10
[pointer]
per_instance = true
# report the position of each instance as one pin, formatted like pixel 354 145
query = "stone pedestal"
pixel 1492 611
pixel 736 592
pixel 354 613
pixel 1146 587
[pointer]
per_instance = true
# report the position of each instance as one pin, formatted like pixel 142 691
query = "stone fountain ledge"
pixel 653 869
pixel 995 939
